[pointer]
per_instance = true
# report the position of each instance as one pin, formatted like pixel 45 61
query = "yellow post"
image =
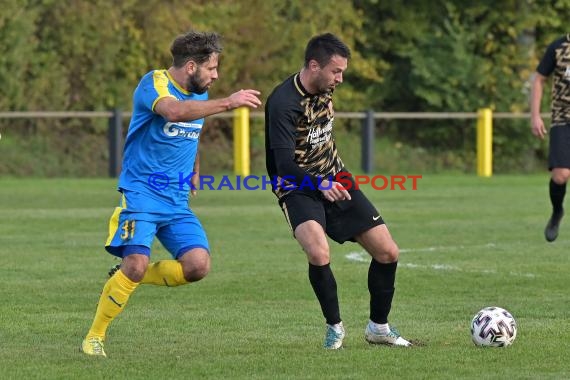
pixel 241 141
pixel 485 142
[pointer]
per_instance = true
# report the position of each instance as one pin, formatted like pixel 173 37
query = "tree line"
pixel 412 55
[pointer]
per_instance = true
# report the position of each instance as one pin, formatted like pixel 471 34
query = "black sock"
pixel 557 193
pixel 381 278
pixel 324 286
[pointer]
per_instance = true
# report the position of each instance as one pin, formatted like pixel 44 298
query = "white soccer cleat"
pixel 393 338
pixel 334 336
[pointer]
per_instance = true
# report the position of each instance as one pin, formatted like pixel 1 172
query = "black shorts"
pixel 559 147
pixel 342 220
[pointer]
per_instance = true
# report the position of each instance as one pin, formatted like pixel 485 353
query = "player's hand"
pixel 333 191
pixel 195 181
pixel 245 98
pixel 538 128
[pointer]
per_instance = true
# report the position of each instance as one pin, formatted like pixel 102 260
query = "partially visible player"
pixel 556 62
pixel 169 107
pixel 300 148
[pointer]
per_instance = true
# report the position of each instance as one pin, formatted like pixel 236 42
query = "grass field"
pixel 466 243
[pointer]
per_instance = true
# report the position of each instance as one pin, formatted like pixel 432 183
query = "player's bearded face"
pixel 330 75
pixel 197 84
pixel 324 83
pixel 205 74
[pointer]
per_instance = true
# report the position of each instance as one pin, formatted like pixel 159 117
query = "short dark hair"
pixel 322 47
pixel 194 46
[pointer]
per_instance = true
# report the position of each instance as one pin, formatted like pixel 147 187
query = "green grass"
pixel 466 243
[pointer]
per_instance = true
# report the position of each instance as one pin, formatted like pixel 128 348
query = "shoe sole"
pixel 386 343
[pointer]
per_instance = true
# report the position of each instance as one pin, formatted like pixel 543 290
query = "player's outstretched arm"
pixel 536 122
pixel 195 180
pixel 175 110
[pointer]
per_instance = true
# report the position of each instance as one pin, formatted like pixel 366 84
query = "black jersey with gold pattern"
pixel 297 120
pixel 556 61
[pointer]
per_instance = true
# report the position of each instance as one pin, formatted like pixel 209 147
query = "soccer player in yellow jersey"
pixel 169 107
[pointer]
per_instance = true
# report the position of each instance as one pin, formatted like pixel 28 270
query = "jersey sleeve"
pixel 153 88
pixel 548 62
pixel 281 119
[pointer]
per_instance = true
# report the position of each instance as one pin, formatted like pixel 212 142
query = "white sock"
pixel 380 328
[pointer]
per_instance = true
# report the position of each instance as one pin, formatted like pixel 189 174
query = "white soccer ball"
pixel 493 327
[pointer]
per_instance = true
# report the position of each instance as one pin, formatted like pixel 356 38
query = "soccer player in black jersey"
pixel 301 154
pixel 556 61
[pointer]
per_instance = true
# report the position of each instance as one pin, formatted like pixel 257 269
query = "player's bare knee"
pixel 318 255
pixel 560 175
pixel 196 273
pixel 134 267
pixel 195 264
pixel 560 178
pixel 393 253
pixel 135 273
pixel 388 254
pixel 197 270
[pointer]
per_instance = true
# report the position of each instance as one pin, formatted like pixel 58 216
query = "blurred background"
pixel 442 56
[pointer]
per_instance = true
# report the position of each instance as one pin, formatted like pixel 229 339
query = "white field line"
pixel 363 257
pixel 447 248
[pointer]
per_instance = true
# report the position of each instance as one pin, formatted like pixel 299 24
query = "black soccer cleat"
pixel 114 269
pixel 551 230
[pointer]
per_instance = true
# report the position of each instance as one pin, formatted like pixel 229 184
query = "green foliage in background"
pixel 413 56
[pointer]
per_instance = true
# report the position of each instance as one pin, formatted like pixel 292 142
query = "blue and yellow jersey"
pixel 159 155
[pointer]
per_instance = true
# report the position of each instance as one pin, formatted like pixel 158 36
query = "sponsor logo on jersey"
pixel 182 129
